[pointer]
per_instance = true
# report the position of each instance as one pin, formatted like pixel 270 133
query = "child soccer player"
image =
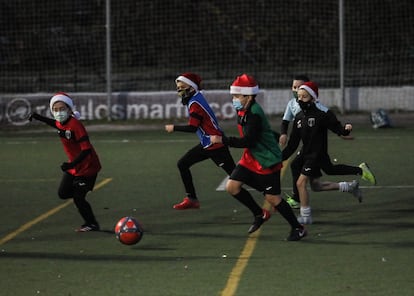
pixel 82 167
pixel 261 162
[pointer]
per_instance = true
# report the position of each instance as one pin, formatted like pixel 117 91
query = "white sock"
pixel 343 186
pixel 305 211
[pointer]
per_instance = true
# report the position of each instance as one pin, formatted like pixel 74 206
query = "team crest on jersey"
pixel 311 121
pixel 68 134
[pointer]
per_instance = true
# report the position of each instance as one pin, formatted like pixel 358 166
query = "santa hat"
pixel 311 88
pixel 191 79
pixel 244 85
pixel 63 97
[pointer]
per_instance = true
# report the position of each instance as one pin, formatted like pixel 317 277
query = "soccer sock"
pixel 192 197
pixel 344 186
pixel 246 199
pixel 286 211
pixel 295 196
pixel 305 211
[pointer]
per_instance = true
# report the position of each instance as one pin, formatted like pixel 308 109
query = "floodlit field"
pixel 352 248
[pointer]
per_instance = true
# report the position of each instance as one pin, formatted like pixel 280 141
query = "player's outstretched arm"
pixel 47 120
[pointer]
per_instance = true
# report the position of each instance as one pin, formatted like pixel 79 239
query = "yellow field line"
pixel 237 271
pixel 44 216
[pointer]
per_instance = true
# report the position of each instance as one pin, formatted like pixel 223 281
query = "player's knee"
pixel 316 186
pixel 182 164
pixel 274 200
pixel 300 183
pixel 232 188
pixel 64 195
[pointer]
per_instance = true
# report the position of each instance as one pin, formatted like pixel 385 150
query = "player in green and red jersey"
pixel 261 162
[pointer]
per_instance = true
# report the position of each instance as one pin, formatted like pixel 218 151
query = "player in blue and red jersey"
pixel 81 169
pixel 203 122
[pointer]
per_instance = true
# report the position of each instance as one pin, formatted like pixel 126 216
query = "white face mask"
pixel 61 116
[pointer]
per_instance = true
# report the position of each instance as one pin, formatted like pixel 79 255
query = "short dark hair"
pixel 302 77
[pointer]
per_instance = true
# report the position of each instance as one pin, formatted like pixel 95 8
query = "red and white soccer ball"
pixel 128 231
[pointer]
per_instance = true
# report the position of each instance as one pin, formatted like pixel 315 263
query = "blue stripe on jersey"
pixel 199 99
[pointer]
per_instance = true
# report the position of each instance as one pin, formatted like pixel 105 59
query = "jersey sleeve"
pixel 252 131
pixel 335 125
pixel 288 115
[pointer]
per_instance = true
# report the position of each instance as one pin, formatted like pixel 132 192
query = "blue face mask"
pixel 237 104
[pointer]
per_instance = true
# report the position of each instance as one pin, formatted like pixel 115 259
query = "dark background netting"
pixel 54 45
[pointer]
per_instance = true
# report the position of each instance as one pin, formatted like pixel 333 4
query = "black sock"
pixel 192 197
pixel 246 198
pixel 286 211
pixel 296 197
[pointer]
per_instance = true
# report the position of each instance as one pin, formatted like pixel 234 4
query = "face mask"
pixel 295 94
pixel 61 116
pixel 305 105
pixel 185 95
pixel 237 104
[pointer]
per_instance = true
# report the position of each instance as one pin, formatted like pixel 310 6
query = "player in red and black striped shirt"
pixel 81 169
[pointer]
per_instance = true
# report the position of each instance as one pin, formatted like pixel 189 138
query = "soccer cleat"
pixel 305 219
pixel 367 175
pixel 259 220
pixel 292 202
pixel 88 227
pixel 297 234
pixel 354 189
pixel 187 204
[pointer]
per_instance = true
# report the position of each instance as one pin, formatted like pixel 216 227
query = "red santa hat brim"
pixel 244 85
pixel 244 90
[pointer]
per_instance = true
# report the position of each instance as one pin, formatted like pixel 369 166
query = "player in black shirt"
pixel 311 127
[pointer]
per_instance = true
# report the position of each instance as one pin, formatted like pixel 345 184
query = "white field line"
pixel 222 186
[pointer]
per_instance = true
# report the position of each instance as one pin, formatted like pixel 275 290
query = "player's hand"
pixel 216 139
pixel 348 127
pixel 30 116
pixel 66 166
pixel 169 128
pixel 282 140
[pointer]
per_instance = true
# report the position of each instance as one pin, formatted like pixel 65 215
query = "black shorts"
pixel 312 169
pixel 268 184
pixel 71 186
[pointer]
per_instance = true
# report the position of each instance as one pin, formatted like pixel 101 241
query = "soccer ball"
pixel 128 231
